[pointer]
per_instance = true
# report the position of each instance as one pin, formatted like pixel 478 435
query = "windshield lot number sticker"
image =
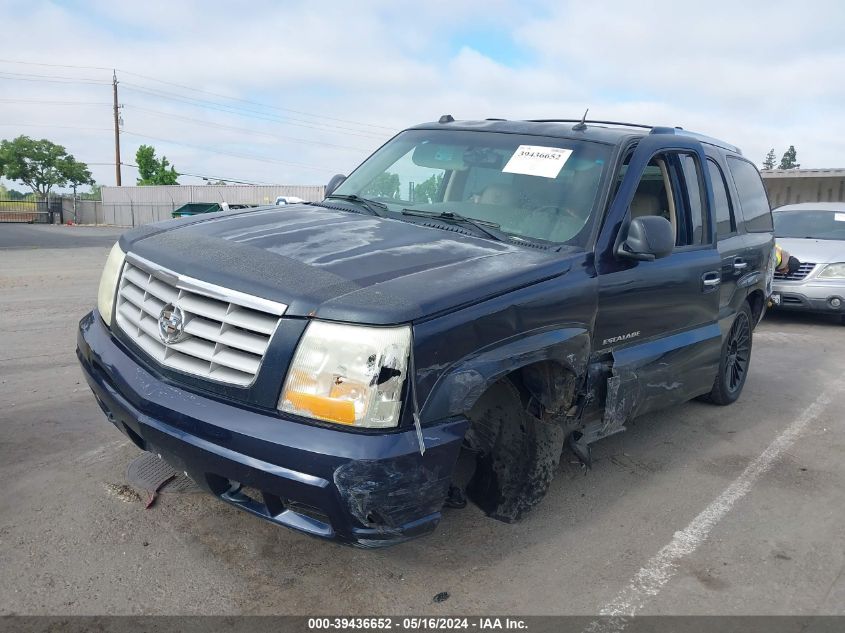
pixel 839 217
pixel 536 160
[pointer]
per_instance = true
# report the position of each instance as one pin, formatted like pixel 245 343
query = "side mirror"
pixel 649 237
pixel 334 183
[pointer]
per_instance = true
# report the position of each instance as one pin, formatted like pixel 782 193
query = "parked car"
pixel 283 200
pixel 196 208
pixel 814 233
pixel 493 289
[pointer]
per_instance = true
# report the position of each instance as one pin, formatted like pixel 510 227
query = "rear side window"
pixel 752 195
pixel 725 222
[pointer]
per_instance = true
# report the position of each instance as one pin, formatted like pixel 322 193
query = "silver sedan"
pixel 814 233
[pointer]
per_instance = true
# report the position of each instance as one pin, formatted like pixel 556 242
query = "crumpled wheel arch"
pixel 518 453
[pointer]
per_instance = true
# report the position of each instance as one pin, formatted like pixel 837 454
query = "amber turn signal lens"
pixel 331 409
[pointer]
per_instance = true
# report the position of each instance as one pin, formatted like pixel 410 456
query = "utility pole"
pixel 116 129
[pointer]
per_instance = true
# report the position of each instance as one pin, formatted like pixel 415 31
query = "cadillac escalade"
pixel 497 290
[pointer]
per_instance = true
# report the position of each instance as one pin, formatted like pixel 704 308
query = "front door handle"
pixel 710 280
pixel 740 264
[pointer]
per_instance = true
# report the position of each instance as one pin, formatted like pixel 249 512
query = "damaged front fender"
pixel 460 386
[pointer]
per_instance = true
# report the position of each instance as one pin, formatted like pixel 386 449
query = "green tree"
pixel 789 160
pixel 14 194
pixel 426 191
pixel 385 185
pixel 76 173
pixel 769 163
pixel 151 170
pixel 40 165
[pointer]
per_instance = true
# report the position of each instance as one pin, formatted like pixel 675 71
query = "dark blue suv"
pixel 497 290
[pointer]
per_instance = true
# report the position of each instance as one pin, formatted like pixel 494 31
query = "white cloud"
pixel 757 74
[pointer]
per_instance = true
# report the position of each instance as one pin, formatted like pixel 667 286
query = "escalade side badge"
pixel 621 337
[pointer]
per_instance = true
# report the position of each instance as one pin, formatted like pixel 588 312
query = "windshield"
pixel 819 225
pixel 535 187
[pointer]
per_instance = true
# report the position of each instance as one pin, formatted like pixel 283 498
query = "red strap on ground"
pixel 154 494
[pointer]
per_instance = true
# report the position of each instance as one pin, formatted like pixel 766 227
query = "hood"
pixel 816 251
pixel 343 265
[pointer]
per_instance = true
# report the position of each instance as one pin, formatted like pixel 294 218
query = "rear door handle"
pixel 711 280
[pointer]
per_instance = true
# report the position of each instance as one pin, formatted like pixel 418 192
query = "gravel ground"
pixel 631 532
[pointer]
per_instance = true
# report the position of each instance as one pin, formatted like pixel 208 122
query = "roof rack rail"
pixel 639 125
pixel 655 129
pixel 703 138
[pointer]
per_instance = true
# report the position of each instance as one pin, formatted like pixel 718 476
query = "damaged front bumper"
pixel 363 489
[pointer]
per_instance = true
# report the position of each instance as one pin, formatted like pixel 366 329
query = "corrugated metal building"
pixel 134 206
pixel 791 186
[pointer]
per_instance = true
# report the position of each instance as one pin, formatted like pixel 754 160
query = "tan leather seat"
pixel 646 203
pixel 655 197
pixel 497 194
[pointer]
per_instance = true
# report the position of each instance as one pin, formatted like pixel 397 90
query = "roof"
pixel 602 131
pixel 803 173
pixel 812 206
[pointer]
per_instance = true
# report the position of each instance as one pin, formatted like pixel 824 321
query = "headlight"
pixel 108 283
pixel 833 271
pixel 348 374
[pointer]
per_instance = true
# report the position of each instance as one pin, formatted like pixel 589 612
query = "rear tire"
pixel 735 361
pixel 518 454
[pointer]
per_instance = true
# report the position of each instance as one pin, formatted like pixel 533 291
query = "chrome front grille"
pixel 803 270
pixel 225 332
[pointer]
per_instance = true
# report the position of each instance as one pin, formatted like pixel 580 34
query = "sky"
pixel 294 92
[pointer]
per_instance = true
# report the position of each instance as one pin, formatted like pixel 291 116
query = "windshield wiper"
pixel 490 229
pixel 373 206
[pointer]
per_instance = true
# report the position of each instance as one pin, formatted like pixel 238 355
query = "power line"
pixel 33 77
pixel 237 181
pixel 15 61
pixel 195 102
pixel 208 92
pixel 224 153
pixel 258 103
pixel 185 173
pixel 239 110
pixel 59 127
pixel 199 103
pixel 68 80
pixel 172 142
pixel 241 129
pixel 48 102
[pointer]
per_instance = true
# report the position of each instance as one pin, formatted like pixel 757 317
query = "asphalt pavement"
pixel 694 510
pixel 58 236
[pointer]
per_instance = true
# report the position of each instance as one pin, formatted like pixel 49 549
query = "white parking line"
pixel 649 580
